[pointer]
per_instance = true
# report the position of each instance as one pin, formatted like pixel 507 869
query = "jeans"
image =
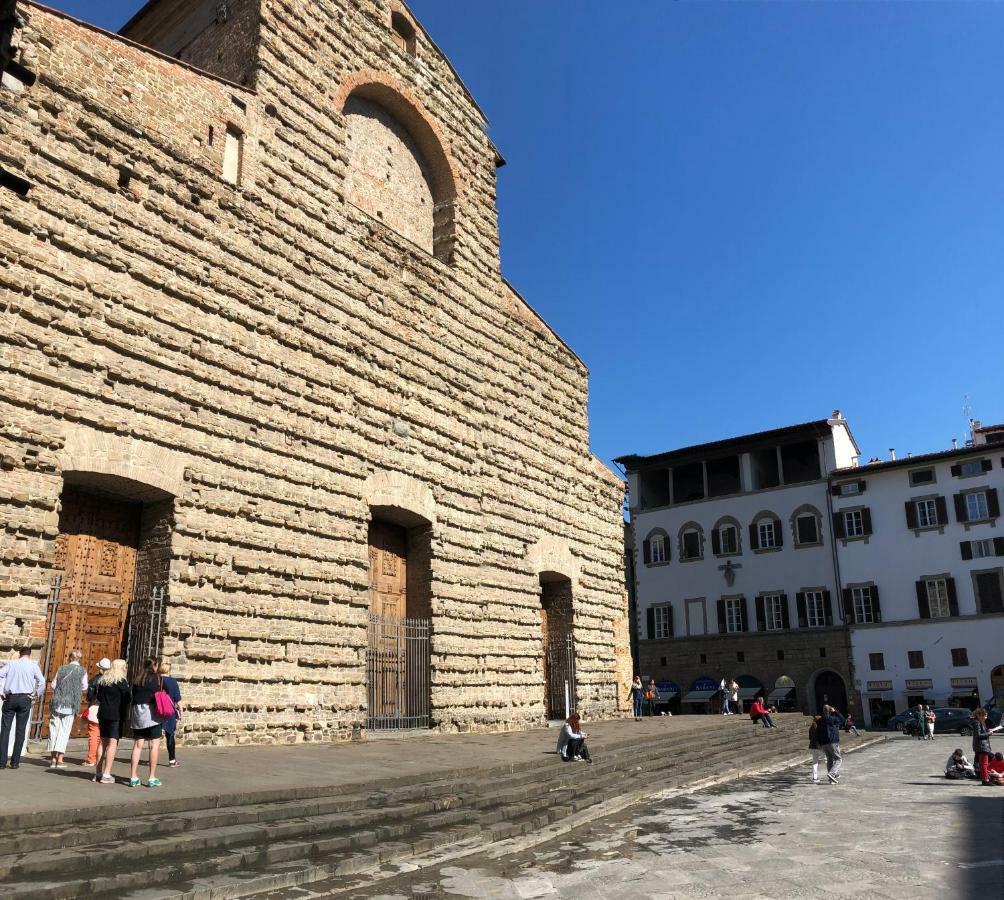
pixel 725 707
pixel 834 759
pixel 169 737
pixel 638 701
pixel 575 747
pixel 16 706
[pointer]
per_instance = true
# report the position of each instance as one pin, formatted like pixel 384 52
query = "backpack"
pixel 163 705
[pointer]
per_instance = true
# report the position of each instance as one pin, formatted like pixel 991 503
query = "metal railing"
pixel 560 685
pixel 398 665
pixel 145 629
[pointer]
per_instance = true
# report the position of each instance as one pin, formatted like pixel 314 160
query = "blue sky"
pixel 745 215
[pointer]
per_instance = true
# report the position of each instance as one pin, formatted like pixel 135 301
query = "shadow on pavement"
pixel 982 855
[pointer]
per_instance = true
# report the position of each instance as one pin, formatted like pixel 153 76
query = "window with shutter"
pixel 927 514
pixel 977 508
pixel 989 597
pixel 815 609
pixel 911 514
pixel 937 598
pixel 827 609
pixel 734 615
pixel 646 551
pixel 657 544
pixel 966 548
pixel 754 544
pixel 993 504
pixel 838 525
pixel 663 621
pixel 953 597
pixel 863 610
pixel 768 532
pixel 807 529
pixel 854 525
pixel 923 607
pixel 650 623
pixel 801 611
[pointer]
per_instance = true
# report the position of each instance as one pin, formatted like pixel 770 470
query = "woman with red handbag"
pixel 146 719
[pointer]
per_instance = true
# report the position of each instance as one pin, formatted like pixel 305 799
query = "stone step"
pixel 341 836
pixel 259 807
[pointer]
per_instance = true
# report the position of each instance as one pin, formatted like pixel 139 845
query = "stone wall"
pixel 279 349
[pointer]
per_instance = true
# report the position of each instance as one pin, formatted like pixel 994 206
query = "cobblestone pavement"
pixel 893 827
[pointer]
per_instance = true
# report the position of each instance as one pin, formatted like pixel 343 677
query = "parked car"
pixel 950 720
pixel 897 721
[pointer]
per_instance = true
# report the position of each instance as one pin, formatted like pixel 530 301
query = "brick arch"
pixel 135 464
pixel 550 556
pixel 400 498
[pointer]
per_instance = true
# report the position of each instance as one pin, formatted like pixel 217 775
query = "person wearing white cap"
pixel 91 715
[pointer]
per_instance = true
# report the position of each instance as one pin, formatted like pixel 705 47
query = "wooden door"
pixel 388 552
pixel 96 556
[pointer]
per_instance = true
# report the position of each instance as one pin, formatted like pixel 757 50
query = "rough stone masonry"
pixel 250 280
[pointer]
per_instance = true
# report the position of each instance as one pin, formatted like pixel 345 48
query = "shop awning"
pixel 968 693
pixel 780 693
pixel 698 696
pixel 748 693
pixel 668 694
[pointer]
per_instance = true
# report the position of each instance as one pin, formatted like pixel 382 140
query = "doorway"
pixel 997 683
pixel 558 645
pixel 94 572
pixel 398 658
pixel 829 689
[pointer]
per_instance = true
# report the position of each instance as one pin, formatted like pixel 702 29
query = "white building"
pixel 920 553
pixel 736 575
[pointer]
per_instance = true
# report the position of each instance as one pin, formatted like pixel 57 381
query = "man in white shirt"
pixel 21 681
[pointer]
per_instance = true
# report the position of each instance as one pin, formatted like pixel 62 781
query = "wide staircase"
pixel 237 846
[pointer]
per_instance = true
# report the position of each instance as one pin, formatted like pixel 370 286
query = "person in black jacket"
pixel 828 731
pixel 112 696
pixel 818 756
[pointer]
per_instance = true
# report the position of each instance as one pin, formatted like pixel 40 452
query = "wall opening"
pixel 110 569
pixel 765 470
pixel 723 476
pixel 654 488
pixel 558 644
pixel 800 462
pixel 403 32
pixel 398 669
pixel 688 483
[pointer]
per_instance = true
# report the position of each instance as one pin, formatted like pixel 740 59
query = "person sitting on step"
pixel 572 741
pixel 958 766
pixel 995 769
pixel 760 713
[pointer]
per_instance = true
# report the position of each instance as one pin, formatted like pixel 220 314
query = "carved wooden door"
pixel 96 556
pixel 388 552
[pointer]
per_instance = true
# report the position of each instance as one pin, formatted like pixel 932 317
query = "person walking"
pixel 146 726
pixel 829 741
pixel 67 688
pixel 170 724
pixel 651 696
pixel 982 752
pixel 734 704
pixel 637 694
pixel 929 719
pixel 112 696
pixel 818 756
pixel 920 717
pixel 91 715
pixel 21 681
pixel 572 741
pixel 723 692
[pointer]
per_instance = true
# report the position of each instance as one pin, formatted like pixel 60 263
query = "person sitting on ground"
pixel 996 769
pixel 958 766
pixel 850 727
pixel 760 713
pixel 572 741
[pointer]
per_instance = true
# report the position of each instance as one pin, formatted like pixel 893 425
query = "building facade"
pixel 267 404
pixel 921 554
pixel 736 575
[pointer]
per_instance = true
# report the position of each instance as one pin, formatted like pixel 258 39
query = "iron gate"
pixel 560 671
pixel 398 664
pixel 52 609
pixel 145 630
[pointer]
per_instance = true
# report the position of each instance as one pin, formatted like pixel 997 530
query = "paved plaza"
pixel 893 827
